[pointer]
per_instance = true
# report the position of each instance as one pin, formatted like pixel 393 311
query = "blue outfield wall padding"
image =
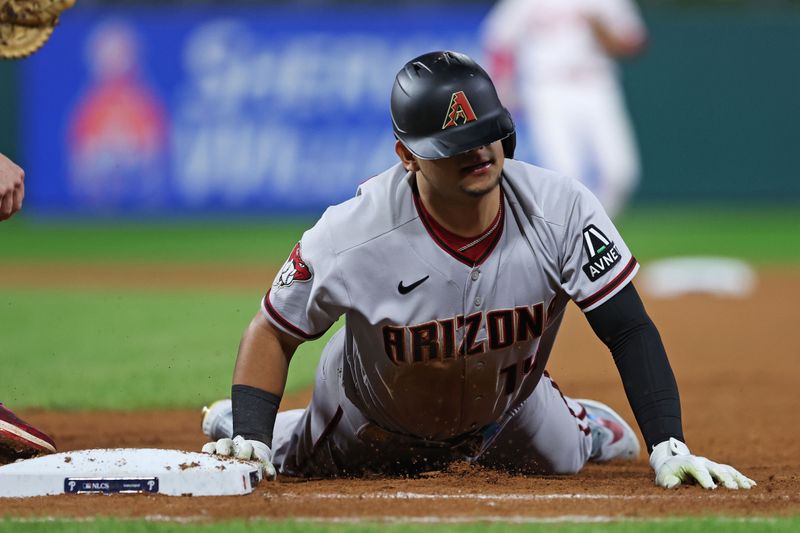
pixel 176 111
pixel 219 110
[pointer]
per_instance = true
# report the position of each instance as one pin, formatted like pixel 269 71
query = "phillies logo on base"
pixel 460 109
pixel 295 269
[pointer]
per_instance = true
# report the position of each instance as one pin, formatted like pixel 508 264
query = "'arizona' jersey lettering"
pixel 437 339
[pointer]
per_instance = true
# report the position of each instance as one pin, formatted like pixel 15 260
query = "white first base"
pixel 129 470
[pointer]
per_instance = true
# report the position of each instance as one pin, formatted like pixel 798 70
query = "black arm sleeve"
pixel 623 325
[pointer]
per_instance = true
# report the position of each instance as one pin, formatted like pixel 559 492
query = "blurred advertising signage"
pixel 216 110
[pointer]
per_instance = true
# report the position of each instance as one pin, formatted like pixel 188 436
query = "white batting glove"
pixel 248 450
pixel 674 464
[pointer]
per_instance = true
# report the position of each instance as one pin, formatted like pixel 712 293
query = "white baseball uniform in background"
pixel 442 358
pixel 567 86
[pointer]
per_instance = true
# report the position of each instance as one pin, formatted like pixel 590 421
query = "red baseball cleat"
pixel 19 439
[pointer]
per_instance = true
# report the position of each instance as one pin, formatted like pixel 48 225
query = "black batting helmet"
pixel 444 103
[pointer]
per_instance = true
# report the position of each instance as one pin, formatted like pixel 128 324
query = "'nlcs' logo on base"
pixel 115 485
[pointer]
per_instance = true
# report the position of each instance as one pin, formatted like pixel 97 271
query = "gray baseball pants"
pixel 332 437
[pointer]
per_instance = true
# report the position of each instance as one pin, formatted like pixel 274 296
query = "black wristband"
pixel 254 412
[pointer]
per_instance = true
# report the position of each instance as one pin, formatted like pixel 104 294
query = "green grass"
pixel 238 241
pixel 687 525
pixel 762 235
pixel 129 349
pixel 126 349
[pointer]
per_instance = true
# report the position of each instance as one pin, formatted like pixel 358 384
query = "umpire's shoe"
pixel 19 440
pixel 612 437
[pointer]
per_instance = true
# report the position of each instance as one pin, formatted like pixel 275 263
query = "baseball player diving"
pixel 453 269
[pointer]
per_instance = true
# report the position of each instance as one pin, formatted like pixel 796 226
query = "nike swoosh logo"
pixel 402 289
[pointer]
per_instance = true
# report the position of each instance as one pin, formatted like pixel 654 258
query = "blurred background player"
pixel 553 60
pixel 18 439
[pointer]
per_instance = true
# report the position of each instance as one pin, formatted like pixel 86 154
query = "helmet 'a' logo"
pixel 295 269
pixel 459 112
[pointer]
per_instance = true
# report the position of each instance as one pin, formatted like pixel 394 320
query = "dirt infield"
pixel 737 366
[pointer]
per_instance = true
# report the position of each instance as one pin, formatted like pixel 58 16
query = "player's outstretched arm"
pixel 624 326
pixel 258 382
pixel 674 465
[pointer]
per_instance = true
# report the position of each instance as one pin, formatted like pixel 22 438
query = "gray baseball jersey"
pixel 435 346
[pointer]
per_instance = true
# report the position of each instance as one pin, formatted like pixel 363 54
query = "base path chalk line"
pixel 527 497
pixel 514 519
pixel 396 519
pixel 510 519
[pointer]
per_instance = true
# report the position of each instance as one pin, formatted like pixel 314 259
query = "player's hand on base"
pixel 241 448
pixel 674 464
